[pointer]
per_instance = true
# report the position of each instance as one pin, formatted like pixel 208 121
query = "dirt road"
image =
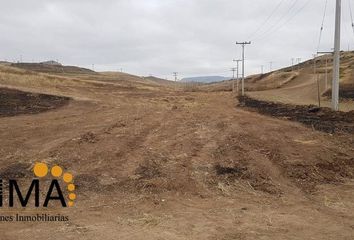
pixel 153 164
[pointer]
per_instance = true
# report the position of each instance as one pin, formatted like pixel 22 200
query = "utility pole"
pixel 233 79
pixel 237 75
pixel 175 74
pixel 292 64
pixel 243 44
pixel 326 76
pixel 270 66
pixel 298 63
pixel 315 75
pixel 262 67
pixel 336 62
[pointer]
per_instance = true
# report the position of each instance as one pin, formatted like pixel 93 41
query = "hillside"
pixel 298 85
pixel 205 79
pixel 152 161
pixel 302 87
pixel 48 67
pixel 160 81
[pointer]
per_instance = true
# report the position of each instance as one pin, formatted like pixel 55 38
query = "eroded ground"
pixel 153 164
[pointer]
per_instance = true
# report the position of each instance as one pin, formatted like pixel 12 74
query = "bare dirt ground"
pixel 302 88
pixel 298 85
pixel 154 163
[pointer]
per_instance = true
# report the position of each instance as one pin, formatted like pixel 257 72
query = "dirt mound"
pixel 322 119
pixel 49 68
pixel 14 102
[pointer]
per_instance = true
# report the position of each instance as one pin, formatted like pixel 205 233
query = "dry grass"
pixel 52 83
pixel 15 77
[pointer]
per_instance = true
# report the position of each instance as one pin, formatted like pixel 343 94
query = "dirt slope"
pixel 303 89
pixel 298 85
pixel 154 163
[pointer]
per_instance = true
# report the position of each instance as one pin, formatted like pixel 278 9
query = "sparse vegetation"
pixel 186 153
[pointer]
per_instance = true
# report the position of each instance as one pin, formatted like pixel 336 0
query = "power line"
pixel 347 30
pixel 351 15
pixel 269 29
pixel 291 18
pixel 267 19
pixel 281 24
pixel 321 30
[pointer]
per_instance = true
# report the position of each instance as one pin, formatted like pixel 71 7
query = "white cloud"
pixel 193 37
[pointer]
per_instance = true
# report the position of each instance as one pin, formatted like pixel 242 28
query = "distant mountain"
pixel 205 79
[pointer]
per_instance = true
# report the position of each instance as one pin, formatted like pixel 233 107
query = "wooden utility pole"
pixel 233 79
pixel 243 44
pixel 237 75
pixel 317 79
pixel 326 76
